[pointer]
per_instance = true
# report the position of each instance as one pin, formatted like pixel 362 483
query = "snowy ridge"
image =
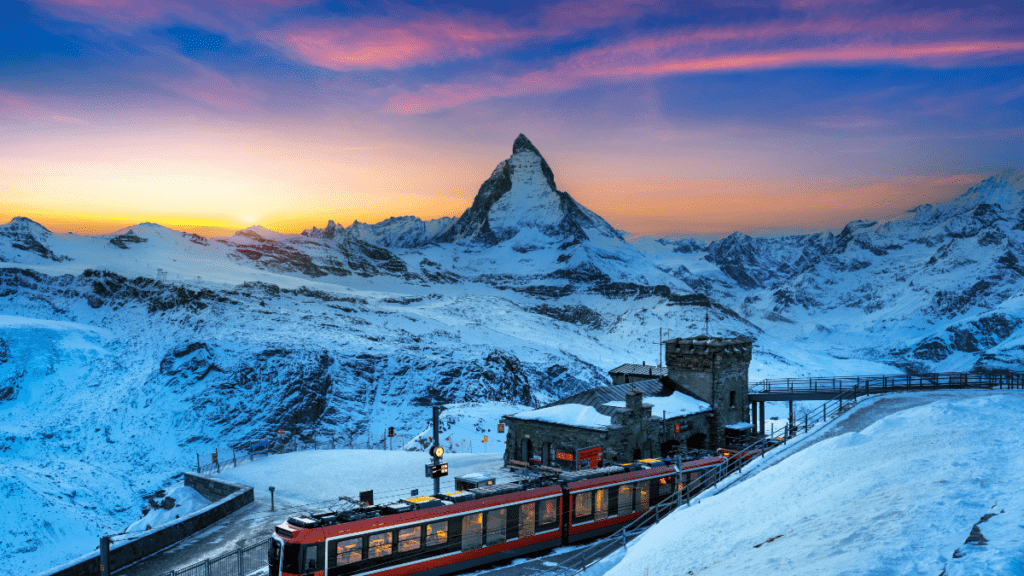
pixel 843 506
pixel 123 356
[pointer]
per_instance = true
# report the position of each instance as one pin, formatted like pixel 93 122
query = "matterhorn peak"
pixel 523 143
pixel 520 200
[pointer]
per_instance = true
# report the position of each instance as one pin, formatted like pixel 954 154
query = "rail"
pixel 881 383
pixel 239 562
pixel 212 462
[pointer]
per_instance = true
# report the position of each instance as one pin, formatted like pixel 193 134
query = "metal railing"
pixel 240 562
pixel 730 470
pixel 213 462
pixel 891 382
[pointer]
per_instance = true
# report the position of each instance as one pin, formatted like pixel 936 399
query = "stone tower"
pixel 714 370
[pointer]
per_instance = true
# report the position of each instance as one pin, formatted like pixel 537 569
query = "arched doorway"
pixel 668 447
pixel 527 450
pixel 696 440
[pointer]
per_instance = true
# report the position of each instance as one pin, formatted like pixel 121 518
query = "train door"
pixel 565 516
pixel 274 556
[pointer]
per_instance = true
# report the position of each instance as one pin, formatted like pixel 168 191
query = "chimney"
pixel 634 400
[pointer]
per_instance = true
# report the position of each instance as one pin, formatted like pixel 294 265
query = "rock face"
pixel 521 198
pixel 26 242
pixel 936 290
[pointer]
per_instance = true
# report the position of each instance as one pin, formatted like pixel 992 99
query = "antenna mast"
pixel 707 317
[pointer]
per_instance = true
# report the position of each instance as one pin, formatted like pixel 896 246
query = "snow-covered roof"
pixel 570 415
pixel 673 406
pixel 640 370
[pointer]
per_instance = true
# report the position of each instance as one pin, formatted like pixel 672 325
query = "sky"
pixel 666 118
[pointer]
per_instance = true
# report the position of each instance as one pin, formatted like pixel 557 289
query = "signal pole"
pixel 437 442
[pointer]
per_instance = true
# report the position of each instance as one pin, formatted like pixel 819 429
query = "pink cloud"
pixel 633 62
pixel 385 43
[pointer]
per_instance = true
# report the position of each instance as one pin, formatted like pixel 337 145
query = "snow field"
pixel 898 498
pixel 319 477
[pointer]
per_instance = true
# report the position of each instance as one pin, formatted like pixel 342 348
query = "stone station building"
pixel 691 401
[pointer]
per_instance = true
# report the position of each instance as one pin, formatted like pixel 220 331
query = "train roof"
pixel 317 527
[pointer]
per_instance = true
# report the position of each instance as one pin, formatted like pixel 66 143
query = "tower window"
pixel 732 399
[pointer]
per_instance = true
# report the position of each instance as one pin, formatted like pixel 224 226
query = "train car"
pixel 462 530
pixel 599 506
pixel 422 535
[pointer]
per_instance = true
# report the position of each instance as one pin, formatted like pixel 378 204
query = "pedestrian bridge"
pixel 842 388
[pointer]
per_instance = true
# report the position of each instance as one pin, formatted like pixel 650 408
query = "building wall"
pixel 714 370
pixel 633 428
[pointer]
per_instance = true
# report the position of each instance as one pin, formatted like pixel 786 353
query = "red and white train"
pixel 469 528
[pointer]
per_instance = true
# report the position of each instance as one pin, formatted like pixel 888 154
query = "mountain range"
pixel 122 356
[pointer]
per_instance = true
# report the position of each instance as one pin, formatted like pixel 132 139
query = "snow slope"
pixel 901 497
pixel 123 356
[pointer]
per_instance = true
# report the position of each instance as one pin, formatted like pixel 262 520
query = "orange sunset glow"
pixel 664 119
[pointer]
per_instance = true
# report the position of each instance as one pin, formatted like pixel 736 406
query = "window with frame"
pixel 665 485
pixel 409 538
pixel 380 545
pixel 601 504
pixel 472 531
pixel 547 516
pixel 527 519
pixel 348 551
pixel 495 526
pixel 311 557
pixel 625 499
pixel 583 504
pixel 732 399
pixel 643 493
pixel 437 533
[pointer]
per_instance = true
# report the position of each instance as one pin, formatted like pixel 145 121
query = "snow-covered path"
pixel 896 495
pixel 310 480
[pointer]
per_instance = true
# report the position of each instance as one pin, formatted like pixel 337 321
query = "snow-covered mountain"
pixel 123 356
pixel 937 290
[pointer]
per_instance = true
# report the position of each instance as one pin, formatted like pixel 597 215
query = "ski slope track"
pixel 123 356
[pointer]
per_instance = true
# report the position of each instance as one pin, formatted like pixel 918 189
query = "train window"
pixel 527 518
pixel 625 499
pixel 694 476
pixel 665 485
pixel 409 539
pixel 380 545
pixel 495 526
pixel 437 533
pixel 311 557
pixel 547 515
pixel 472 531
pixel 601 504
pixel 348 551
pixel 643 496
pixel 583 504
pixel 290 560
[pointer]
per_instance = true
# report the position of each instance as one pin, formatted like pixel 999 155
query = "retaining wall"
pixel 226 499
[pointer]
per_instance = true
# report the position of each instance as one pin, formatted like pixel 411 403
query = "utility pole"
pixel 104 555
pixel 436 460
